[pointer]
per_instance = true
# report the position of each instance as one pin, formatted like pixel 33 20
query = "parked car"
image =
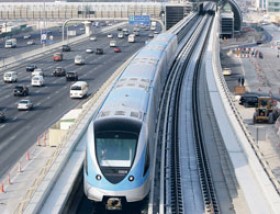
pixel 249 99
pixel 227 71
pixel 21 90
pixel 99 51
pixel 110 35
pixel 2 117
pixel 25 104
pixel 28 36
pixel 71 76
pixel 59 72
pixel 37 81
pixel 79 60
pixel 57 56
pixel 65 48
pixel 31 67
pixel 30 42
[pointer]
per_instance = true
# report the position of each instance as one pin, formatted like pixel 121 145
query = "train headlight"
pixel 98 177
pixel 131 178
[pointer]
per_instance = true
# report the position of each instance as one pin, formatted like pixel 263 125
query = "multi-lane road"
pixel 51 101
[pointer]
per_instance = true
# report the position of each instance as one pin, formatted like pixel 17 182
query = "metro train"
pixel 121 138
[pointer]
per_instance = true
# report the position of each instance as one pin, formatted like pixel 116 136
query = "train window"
pixel 115 149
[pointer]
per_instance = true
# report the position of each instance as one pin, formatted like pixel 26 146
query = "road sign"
pixel 144 20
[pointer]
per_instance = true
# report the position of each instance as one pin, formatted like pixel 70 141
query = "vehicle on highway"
pixel 37 81
pixel 92 38
pixel 79 60
pixel 99 51
pixel 30 42
pixel 113 43
pixel 249 99
pixel 71 76
pixel 117 50
pixel 24 104
pixel 31 67
pixel 120 139
pixel 65 48
pixel 38 72
pixel 11 43
pixel 79 89
pixel 21 90
pixel 120 35
pixel 2 117
pixel 57 56
pixel 110 35
pixel 89 50
pixel 131 38
pixel 59 72
pixel 10 76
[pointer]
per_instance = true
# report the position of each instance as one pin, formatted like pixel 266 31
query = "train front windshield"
pixel 115 149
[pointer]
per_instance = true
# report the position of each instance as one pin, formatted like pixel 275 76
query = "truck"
pixel 131 38
pixel 11 43
pixel 267 110
pixel 153 25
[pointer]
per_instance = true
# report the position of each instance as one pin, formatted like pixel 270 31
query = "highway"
pixel 51 101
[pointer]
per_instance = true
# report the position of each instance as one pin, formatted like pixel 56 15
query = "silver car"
pixel 25 104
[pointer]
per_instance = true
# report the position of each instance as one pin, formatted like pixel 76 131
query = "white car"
pixel 79 60
pixel 113 43
pixel 24 105
pixel 110 35
pixel 92 38
pixel 30 42
pixel 227 71
pixel 89 50
pixel 37 81
pixel 120 35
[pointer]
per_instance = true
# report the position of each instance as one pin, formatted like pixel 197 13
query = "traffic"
pixel 48 80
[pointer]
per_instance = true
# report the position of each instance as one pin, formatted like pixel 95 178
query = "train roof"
pixel 128 98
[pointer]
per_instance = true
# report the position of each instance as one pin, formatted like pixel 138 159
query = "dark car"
pixel 71 76
pixel 249 100
pixel 65 48
pixel 99 51
pixel 59 72
pixel 2 117
pixel 31 67
pixel 21 90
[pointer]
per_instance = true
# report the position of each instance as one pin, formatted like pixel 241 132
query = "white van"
pixel 10 76
pixel 79 89
pixel 37 81
pixel 79 60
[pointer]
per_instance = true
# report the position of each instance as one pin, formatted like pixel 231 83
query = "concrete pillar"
pixel 87 27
